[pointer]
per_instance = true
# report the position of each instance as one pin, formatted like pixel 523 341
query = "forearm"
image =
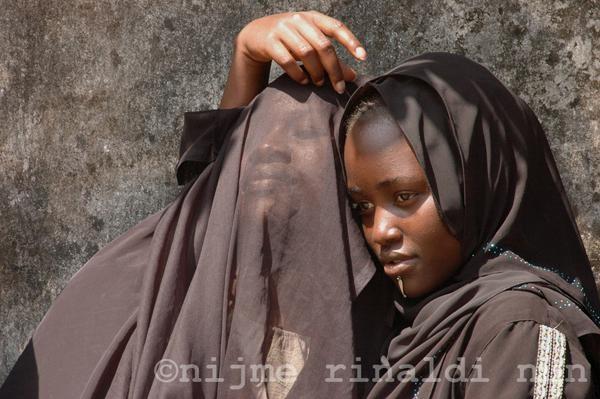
pixel 247 78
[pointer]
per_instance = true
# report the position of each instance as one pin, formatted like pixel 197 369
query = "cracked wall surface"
pixel 92 95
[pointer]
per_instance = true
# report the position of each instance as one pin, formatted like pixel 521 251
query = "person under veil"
pixel 247 285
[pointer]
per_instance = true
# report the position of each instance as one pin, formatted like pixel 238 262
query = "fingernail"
pixel 340 86
pixel 361 53
pixel 320 82
pixel 304 81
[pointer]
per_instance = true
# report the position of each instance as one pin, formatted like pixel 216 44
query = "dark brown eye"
pixel 362 206
pixel 401 198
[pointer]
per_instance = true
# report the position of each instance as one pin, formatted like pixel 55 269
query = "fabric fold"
pixel 249 284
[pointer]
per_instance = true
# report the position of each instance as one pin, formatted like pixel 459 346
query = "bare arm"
pixel 287 38
pixel 246 79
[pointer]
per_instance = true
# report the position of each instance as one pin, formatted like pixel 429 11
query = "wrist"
pixel 242 55
pixel 247 77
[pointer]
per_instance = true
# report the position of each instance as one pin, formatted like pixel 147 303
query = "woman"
pixel 456 189
pixel 244 287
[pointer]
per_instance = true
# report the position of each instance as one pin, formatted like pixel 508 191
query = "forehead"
pixel 376 150
pixel 299 104
pixel 395 157
pixel 375 133
pixel 285 118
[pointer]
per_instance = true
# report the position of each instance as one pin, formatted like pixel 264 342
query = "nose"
pixel 386 228
pixel 274 152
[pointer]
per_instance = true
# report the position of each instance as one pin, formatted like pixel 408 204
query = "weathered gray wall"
pixel 92 94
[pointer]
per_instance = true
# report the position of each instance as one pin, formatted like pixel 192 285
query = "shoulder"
pixel 516 306
pixel 521 344
pixel 518 315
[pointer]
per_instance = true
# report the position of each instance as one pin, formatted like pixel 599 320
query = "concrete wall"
pixel 92 95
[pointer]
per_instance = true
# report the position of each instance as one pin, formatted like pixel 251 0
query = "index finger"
pixel 336 29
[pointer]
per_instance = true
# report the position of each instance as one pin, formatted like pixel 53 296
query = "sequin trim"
pixel 497 250
pixel 550 364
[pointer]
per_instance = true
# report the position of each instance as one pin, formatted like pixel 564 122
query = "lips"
pixel 396 265
pixel 271 171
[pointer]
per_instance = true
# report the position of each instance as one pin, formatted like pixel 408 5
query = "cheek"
pixel 428 231
pixel 438 249
pixel 308 159
pixel 307 152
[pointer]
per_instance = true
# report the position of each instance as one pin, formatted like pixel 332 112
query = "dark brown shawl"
pixel 253 264
pixel 496 186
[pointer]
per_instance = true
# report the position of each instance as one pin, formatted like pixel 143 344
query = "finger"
pixel 349 73
pixel 338 30
pixel 280 54
pixel 325 51
pixel 303 51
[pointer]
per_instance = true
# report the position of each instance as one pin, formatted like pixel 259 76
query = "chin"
pixel 415 289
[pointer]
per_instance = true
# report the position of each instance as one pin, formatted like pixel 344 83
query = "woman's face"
pixel 399 218
pixel 282 163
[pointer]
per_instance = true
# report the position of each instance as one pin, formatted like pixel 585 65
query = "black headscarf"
pixel 256 263
pixel 497 188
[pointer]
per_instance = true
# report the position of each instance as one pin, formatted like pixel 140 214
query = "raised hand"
pixel 287 38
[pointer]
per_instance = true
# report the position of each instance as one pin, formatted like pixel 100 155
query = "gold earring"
pixel 401 286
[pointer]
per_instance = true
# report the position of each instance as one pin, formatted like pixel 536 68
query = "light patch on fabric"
pixel 286 358
pixel 550 364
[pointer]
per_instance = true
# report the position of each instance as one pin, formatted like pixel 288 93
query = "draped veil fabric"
pixel 242 287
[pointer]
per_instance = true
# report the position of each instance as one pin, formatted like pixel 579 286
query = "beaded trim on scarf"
pixel 496 250
pixel 550 364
